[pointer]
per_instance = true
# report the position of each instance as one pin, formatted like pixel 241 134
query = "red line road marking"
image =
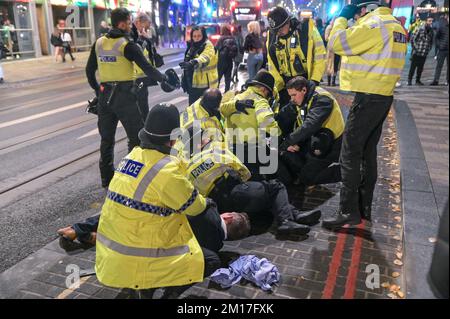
pixel 350 285
pixel 327 292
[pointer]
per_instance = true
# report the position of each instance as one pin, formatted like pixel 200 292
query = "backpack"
pixel 229 49
pixel 56 41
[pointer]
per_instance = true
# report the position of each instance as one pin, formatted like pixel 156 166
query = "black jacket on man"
pixel 207 228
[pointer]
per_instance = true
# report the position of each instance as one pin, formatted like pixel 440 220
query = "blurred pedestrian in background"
pixel 442 56
pixel 333 59
pixel 254 46
pixel 227 50
pixel 422 43
pixel 237 33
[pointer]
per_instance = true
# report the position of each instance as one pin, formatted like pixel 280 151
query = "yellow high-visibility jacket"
pixel 213 162
pixel 144 239
pixel 205 73
pixel 111 61
pixel 281 56
pixel 334 122
pixel 138 72
pixel 196 112
pixel 259 120
pixel 373 52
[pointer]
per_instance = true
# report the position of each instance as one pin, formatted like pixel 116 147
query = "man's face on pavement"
pixel 297 97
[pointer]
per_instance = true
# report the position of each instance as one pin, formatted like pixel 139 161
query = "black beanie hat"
pixel 161 121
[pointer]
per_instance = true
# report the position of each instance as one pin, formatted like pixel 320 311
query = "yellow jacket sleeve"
pixel 181 195
pixel 352 41
pixel 228 108
pixel 206 56
pixel 279 82
pixel 237 166
pixel 319 56
pixel 265 117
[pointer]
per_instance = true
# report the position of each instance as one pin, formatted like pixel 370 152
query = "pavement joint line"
pixel 13 182
pixel 56 76
pixel 33 103
pixel 40 115
pixel 69 291
pixel 21 141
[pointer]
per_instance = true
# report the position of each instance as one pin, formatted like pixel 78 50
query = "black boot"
pixel 288 227
pixel 340 219
pixel 329 80
pixel 307 218
pixel 333 82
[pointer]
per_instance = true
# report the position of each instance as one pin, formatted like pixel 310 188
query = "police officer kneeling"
pixel 144 239
pixel 113 55
pixel 315 143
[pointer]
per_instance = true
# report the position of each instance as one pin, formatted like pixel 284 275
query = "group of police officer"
pixel 144 239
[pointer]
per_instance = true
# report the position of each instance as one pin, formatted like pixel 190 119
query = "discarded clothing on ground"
pixel 259 271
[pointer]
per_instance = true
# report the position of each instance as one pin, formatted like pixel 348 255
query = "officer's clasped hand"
pixel 348 11
pixel 188 65
pixel 243 105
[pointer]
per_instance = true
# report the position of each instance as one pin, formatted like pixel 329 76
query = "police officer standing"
pixel 373 52
pixel 293 48
pixel 113 55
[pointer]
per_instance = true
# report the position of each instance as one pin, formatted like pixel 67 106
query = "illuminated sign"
pixel 242 10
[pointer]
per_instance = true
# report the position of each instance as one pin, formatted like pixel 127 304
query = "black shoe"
pixel 1 81
pixel 307 218
pixel 341 219
pixel 69 245
pixel 288 227
pixel 434 83
pixel 419 83
pixel 409 83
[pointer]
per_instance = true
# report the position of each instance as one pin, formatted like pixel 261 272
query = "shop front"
pixel 16 28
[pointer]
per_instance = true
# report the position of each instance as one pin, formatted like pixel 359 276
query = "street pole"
pixel 91 22
pixel 49 19
pixel 35 28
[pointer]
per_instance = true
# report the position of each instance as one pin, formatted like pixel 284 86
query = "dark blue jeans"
pixel 84 229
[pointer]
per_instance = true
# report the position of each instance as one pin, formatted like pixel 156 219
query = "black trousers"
pixel 225 70
pixel 195 94
pixel 358 158
pixel 417 62
pixel 314 170
pixel 441 57
pixel 122 107
pixel 256 198
pixel 141 87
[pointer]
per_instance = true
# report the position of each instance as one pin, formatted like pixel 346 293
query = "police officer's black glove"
pixel 243 105
pixel 188 65
pixel 317 83
pixel 348 11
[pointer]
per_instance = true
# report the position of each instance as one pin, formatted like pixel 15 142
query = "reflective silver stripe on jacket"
pixel 149 176
pixel 141 252
pixel 344 42
pixel 208 180
pixel 320 56
pixel 263 110
pixel 319 44
pixel 372 69
pixel 113 52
